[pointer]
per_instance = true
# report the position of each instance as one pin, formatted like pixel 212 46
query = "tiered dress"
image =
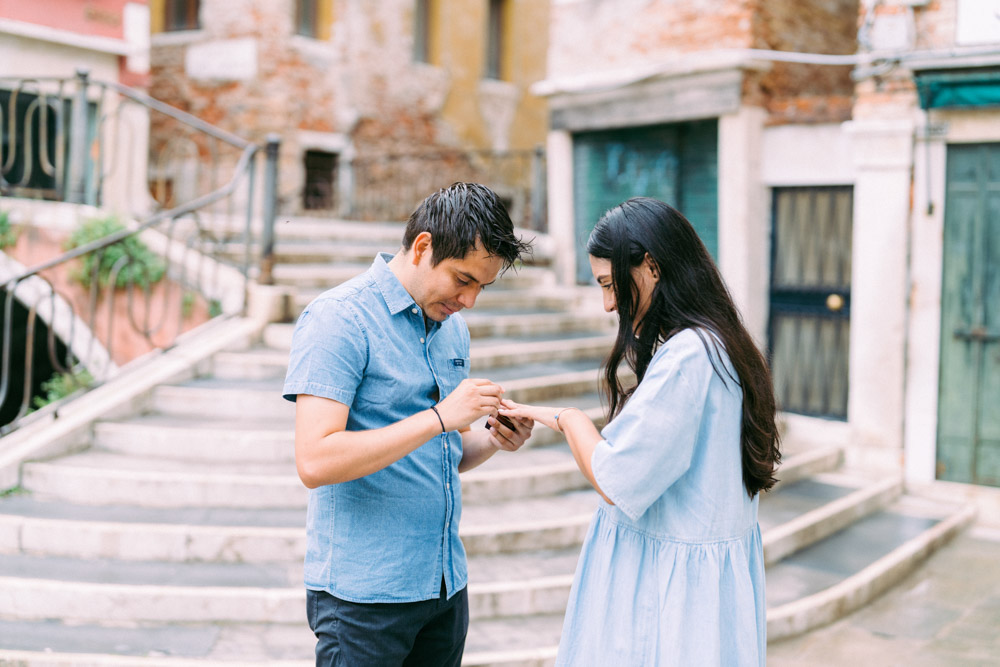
pixel 673 572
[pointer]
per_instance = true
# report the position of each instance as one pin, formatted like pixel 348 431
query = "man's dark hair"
pixel 459 216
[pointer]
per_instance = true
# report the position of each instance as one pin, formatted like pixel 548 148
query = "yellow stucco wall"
pixel 458 43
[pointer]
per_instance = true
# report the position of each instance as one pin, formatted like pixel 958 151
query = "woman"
pixel 672 569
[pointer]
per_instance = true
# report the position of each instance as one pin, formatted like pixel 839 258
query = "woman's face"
pixel 645 281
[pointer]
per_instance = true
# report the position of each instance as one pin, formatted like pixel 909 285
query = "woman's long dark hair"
pixel 689 294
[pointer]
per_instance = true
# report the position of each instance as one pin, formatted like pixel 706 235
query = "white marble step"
pixel 501 585
pixel 198 439
pixel 513 642
pixel 331 274
pixel 487 354
pixel 261 399
pixel 493 324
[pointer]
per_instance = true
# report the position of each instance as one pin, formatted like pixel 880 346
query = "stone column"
pixel 560 183
pixel 744 238
pixel 883 154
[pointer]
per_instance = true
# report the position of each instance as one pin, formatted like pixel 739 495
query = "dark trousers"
pixel 406 634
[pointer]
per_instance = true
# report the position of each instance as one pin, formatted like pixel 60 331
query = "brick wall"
pixel 591 37
pixel 893 94
pixel 796 93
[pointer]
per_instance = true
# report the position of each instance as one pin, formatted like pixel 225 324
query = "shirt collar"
pixel 395 295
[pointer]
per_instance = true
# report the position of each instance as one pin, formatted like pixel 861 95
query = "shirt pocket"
pixel 455 370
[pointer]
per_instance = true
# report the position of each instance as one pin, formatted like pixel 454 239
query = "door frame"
pixel 926 243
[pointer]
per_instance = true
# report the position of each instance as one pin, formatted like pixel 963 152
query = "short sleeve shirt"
pixel 391 536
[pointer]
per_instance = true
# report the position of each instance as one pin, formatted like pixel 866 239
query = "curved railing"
pixel 177 254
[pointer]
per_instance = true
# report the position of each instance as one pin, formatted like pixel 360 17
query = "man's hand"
pixel 508 439
pixel 471 399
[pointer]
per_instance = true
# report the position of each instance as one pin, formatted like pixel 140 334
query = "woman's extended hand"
pixel 507 439
pixel 541 414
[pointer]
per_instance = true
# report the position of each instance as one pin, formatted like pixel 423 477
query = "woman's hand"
pixel 541 414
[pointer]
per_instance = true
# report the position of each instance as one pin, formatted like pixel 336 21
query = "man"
pixel 379 372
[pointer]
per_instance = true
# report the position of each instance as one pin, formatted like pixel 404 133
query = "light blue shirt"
pixel 390 536
pixel 673 572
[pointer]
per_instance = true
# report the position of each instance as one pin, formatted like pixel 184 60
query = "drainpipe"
pixel 76 187
pixel 270 211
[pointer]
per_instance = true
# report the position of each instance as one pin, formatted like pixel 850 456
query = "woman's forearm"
pixel 582 436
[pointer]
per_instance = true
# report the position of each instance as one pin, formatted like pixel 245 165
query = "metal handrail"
pixel 184 257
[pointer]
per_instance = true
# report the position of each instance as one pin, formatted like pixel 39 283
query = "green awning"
pixel 958 89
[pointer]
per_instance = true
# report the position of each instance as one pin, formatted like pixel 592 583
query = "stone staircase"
pixel 175 535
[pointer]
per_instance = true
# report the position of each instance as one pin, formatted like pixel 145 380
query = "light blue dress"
pixel 673 572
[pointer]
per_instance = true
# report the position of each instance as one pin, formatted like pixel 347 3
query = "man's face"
pixel 453 284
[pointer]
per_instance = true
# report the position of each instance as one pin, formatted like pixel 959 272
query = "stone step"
pixel 96 591
pixel 487 324
pixel 846 570
pixel 152 528
pixel 55 643
pixel 321 275
pixel 198 439
pixel 315 230
pixel 264 362
pixel 328 274
pixel 53 528
pixel 489 354
pixel 501 296
pixel 515 642
pixel 223 398
pixel 328 251
pixel 802 513
pixel 103 478
pixel 97 477
pixel 522 583
pixel 32 525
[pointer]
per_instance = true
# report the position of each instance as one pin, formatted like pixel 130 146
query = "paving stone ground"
pixel 946 613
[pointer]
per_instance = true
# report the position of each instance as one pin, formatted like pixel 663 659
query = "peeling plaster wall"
pixel 246 71
pixel 593 36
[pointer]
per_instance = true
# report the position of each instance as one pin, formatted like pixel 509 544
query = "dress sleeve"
pixel 650 444
pixel 329 353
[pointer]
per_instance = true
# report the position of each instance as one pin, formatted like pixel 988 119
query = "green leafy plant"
pixel 187 304
pixel 214 308
pixel 143 268
pixel 12 491
pixel 8 235
pixel 61 385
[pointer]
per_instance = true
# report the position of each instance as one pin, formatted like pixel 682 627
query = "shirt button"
pixel 421 340
pixel 415 311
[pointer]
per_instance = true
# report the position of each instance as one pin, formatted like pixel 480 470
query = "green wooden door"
pixel 969 400
pixel 810 314
pixel 675 163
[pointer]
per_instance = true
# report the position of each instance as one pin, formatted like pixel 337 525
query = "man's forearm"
pixel 347 455
pixel 476 449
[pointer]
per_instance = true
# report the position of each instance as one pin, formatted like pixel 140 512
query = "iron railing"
pixel 80 315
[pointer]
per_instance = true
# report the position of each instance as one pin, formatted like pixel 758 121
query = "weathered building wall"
pixel 901 231
pixel 800 93
pixel 593 37
pixel 360 92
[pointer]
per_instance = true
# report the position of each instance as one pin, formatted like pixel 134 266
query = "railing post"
pixel 77 178
pixel 538 189
pixel 270 209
